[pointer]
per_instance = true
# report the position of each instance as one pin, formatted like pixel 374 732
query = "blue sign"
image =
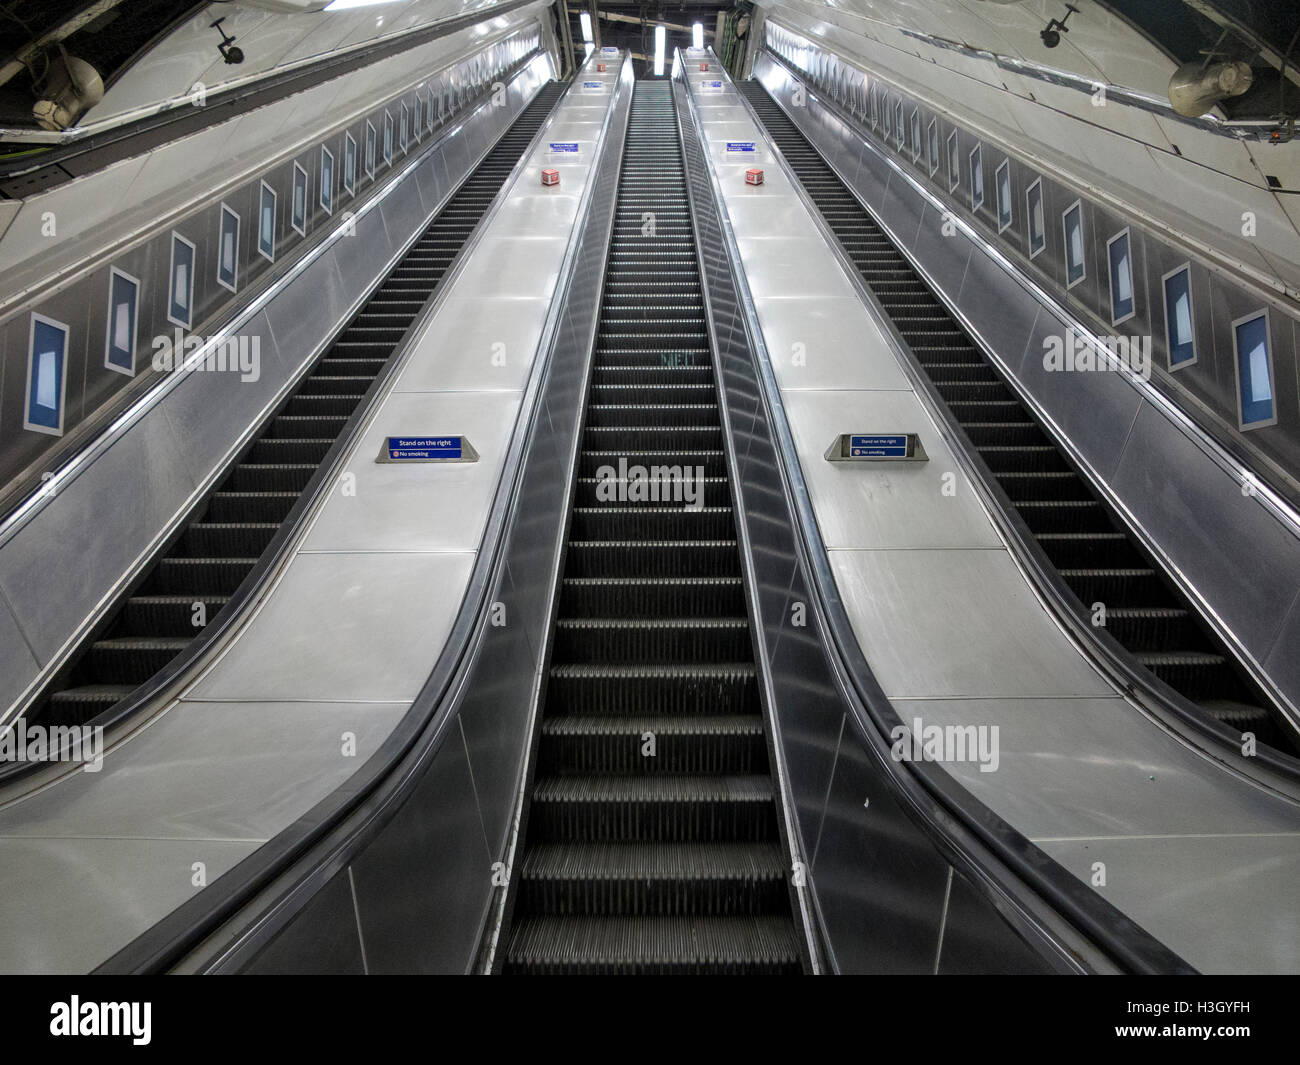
pixel 570 147
pixel 424 448
pixel 609 49
pixel 878 447
pixel 740 146
pixel 711 85
pixel 592 85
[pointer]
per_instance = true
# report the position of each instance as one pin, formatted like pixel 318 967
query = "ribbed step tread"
pixel 653 945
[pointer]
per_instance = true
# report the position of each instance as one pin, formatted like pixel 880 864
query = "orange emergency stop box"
pixel 600 68
pixel 753 176
pixel 704 66
pixel 550 177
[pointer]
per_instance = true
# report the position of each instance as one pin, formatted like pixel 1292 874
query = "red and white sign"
pixel 753 176
pixel 551 177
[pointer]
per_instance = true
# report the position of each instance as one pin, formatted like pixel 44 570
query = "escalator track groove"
pixel 228 532
pixel 1093 553
pixel 671 862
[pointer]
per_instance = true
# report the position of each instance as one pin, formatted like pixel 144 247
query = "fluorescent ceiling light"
pixel 348 5
pixel 660 33
pixel 585 18
pixel 697 35
pixel 590 47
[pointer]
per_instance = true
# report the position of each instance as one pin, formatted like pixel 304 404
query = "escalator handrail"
pixel 1268 767
pixel 929 792
pixel 263 891
pixel 156 691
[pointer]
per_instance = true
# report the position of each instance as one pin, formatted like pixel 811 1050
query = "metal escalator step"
pixel 666 640
pixel 668 356
pixel 646 558
pixel 198 576
pixel 1201 671
pixel 1003 434
pixel 1039 484
pixel 652 879
pixel 1122 586
pixel 653 946
pixel 614 394
pixel 1245 717
pixel 655 521
pixel 306 427
pixel 653 808
pixel 205 539
pixel 251 506
pixel 652 596
pixel 270 477
pixel 132 659
pixel 78 705
pixel 653 743
pixel 711 492
pixel 651 415
pixel 971 391
pixel 1023 458
pixel 170 615
pixel 624 440
pixel 278 449
pixel 595 459
pixel 652 374
pixel 1150 628
pixel 1063 515
pixel 1080 549
pixel 322 384
pixel 973 371
pixel 717 688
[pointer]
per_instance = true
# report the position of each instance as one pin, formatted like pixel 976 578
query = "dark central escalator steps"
pixel 652 843
pixel 232 529
pixel 1091 551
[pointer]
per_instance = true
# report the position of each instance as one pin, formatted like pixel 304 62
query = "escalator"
pixel 651 840
pixel 1096 557
pixel 228 532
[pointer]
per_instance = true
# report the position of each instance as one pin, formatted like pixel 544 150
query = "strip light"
pixel 660 34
